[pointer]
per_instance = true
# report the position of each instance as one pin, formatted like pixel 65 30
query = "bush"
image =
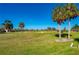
pixel 2 31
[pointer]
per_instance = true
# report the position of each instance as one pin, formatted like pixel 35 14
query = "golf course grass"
pixel 36 43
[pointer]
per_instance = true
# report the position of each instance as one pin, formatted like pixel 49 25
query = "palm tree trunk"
pixel 68 29
pixel 59 31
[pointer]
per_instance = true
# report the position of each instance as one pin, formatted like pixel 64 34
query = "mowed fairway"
pixel 35 43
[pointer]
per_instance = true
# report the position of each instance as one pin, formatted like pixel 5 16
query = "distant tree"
pixel 53 29
pixel 49 28
pixel 64 29
pixel 8 26
pixel 21 25
pixel 76 27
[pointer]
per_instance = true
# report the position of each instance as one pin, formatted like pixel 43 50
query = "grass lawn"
pixel 35 43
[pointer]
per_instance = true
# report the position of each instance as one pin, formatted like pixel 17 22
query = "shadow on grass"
pixel 76 39
pixel 62 35
pixel 2 32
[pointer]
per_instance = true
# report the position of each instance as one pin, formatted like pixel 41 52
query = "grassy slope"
pixel 34 43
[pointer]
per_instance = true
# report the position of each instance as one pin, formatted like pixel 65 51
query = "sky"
pixel 34 15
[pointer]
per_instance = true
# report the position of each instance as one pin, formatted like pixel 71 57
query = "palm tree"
pixel 8 26
pixel 21 25
pixel 71 13
pixel 59 16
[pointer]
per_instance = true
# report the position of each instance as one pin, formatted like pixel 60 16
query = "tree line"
pixel 8 26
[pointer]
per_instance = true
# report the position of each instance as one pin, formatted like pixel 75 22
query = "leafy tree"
pixel 49 28
pixel 8 26
pixel 76 27
pixel 21 25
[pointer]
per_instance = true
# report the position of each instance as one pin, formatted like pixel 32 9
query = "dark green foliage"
pixel 76 27
pixel 8 25
pixel 21 25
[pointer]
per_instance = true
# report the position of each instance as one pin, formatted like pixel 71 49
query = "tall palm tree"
pixel 59 16
pixel 71 13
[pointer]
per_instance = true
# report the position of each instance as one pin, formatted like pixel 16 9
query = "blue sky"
pixel 34 15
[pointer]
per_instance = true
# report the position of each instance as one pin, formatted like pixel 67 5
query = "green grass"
pixel 35 43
